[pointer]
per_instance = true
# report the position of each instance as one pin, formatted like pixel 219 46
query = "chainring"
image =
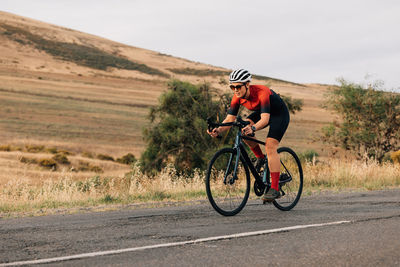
pixel 258 190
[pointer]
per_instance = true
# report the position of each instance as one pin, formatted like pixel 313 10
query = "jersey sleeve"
pixel 264 102
pixel 234 108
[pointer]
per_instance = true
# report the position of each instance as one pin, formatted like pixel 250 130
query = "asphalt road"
pixel 365 232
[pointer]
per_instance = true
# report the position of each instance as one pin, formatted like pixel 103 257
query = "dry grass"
pixel 343 174
pixel 19 196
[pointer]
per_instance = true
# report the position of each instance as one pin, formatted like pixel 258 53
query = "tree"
pixel 370 120
pixel 178 124
pixel 177 131
pixel 293 105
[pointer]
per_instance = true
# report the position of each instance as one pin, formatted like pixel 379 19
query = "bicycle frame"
pixel 241 152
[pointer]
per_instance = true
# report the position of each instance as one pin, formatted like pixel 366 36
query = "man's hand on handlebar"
pixel 214 133
pixel 248 131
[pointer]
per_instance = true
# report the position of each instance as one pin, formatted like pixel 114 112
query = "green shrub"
pixel 5 148
pixel 34 148
pixel 83 166
pixel 65 152
pixel 28 160
pixel 369 120
pixel 127 159
pixel 293 105
pixel 176 133
pixel 52 150
pixel 87 167
pixel 48 164
pixel 61 158
pixel 105 157
pixel 95 169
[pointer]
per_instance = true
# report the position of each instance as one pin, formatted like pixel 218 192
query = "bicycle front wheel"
pixel 227 191
pixel 290 180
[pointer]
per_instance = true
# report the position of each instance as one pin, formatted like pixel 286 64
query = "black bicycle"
pixel 228 175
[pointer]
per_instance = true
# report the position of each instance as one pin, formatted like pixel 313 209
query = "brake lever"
pixel 211 126
pixel 244 123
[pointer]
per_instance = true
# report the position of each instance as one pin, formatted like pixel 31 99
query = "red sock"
pixel 275 180
pixel 257 151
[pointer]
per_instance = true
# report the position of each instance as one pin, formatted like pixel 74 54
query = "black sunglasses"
pixel 236 87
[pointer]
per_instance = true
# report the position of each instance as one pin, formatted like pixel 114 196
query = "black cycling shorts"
pixel 278 122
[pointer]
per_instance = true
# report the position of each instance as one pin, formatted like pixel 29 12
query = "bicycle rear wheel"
pixel 290 181
pixel 226 193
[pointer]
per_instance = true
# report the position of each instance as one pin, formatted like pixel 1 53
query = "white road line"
pixel 174 244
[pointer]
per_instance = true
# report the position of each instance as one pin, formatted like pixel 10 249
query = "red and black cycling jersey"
pixel 264 100
pixel 261 99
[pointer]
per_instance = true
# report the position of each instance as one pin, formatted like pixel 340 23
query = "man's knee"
pixel 271 150
pixel 271 146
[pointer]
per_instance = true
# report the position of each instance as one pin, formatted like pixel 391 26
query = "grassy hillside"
pixel 83 55
pixel 82 93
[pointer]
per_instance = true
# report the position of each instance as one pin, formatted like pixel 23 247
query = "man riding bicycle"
pixel 268 109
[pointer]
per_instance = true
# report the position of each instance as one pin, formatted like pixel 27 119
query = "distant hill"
pixel 32 45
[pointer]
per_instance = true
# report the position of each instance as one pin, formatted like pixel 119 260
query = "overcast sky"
pixel 302 41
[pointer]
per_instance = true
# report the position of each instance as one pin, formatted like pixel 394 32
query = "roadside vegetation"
pixel 369 123
pixel 18 197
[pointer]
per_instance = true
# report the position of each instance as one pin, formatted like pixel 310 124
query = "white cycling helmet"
pixel 240 76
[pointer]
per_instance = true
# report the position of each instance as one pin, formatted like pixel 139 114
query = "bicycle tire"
pixel 291 171
pixel 230 198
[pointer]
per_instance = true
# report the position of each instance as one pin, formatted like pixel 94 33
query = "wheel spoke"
pixel 230 197
pixel 292 187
